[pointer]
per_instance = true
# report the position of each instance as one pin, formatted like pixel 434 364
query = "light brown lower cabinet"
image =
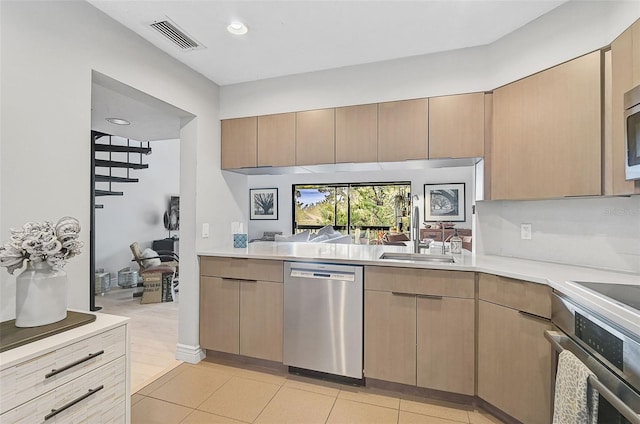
pixel 414 337
pixel 446 350
pixel 514 362
pixel 241 317
pixel 261 310
pixel 219 314
pixel 390 337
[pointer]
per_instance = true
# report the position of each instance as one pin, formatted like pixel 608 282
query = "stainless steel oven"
pixel 610 351
pixel 632 133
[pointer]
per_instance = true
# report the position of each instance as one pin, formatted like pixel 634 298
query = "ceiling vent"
pixel 178 37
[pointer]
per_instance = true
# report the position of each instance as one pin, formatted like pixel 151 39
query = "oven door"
pixel 618 403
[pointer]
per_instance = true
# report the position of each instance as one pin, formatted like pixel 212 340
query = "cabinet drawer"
pixel 521 295
pixel 242 269
pixel 99 397
pixel 30 379
pixel 420 281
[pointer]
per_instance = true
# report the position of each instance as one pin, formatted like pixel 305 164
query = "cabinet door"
pixel 261 320
pixel 456 126
pixel 219 314
pixel 403 130
pixel 514 363
pixel 277 140
pixel 390 337
pixel 547 133
pixel 446 344
pixel 357 133
pixel 315 137
pixel 239 143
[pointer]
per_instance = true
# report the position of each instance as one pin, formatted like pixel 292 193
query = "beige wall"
pixel 49 50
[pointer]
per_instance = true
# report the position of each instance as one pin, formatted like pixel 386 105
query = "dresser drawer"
pixel 96 397
pixel 32 378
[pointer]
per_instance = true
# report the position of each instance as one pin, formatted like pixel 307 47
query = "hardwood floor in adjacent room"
pixel 154 333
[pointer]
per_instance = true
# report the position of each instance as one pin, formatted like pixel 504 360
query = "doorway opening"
pixel 131 130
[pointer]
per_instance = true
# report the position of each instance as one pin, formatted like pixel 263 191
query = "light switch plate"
pixel 205 230
pixel 525 231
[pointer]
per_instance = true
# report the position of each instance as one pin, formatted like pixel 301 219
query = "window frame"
pixel 348 186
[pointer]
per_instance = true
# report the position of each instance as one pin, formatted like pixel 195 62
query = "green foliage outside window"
pixel 348 206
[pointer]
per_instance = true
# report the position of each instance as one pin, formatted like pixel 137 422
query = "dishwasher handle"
pixel 322 274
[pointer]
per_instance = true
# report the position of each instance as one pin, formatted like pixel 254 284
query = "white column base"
pixel 190 354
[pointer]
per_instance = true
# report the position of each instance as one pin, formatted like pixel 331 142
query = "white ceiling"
pixel 291 37
pixel 150 118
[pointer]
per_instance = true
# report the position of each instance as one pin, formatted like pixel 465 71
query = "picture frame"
pixel 171 216
pixel 444 202
pixel 263 203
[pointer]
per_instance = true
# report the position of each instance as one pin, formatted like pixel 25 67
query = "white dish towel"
pixel 575 401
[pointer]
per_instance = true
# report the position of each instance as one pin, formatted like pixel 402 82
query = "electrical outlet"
pixel 205 230
pixel 525 231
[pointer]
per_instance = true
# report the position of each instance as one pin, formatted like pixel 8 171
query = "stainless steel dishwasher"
pixel 323 314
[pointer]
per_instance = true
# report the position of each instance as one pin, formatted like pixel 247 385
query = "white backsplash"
pixel 600 232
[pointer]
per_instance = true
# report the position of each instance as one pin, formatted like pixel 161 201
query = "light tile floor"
pixel 168 391
pixel 211 392
pixel 154 333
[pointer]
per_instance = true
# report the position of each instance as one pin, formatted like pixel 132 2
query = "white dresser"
pixel 78 376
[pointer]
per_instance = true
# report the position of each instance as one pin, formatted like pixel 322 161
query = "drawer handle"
pixel 55 412
pixel 429 296
pixel 534 316
pixel 403 294
pixel 73 364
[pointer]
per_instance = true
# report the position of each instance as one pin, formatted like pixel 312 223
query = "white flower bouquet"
pixel 42 242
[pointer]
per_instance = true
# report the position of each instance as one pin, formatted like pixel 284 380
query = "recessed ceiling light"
pixel 118 121
pixel 237 28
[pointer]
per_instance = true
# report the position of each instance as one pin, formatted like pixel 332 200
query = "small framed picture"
pixel 444 202
pixel 263 203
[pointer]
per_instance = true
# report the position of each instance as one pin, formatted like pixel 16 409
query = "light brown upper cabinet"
pixel 357 133
pixel 635 33
pixel 456 126
pixel 239 143
pixel 277 140
pixel 625 74
pixel 315 137
pixel 403 130
pixel 547 133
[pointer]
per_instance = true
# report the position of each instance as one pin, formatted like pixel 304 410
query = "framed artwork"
pixel 172 214
pixel 444 202
pixel 263 203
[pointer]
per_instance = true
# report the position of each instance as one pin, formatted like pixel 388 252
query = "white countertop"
pixel 557 276
pixel 25 352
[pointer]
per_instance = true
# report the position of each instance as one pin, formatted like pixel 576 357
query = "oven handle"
pixel 555 338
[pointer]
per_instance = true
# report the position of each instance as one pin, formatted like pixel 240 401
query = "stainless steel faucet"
pixel 443 249
pixel 415 226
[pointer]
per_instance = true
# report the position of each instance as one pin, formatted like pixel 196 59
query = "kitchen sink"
pixel 419 257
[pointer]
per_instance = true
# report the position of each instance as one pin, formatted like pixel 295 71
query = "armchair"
pixel 159 278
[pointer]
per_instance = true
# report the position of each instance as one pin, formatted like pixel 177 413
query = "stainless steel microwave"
pixel 632 133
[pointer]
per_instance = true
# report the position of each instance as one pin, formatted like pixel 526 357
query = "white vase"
pixel 41 295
